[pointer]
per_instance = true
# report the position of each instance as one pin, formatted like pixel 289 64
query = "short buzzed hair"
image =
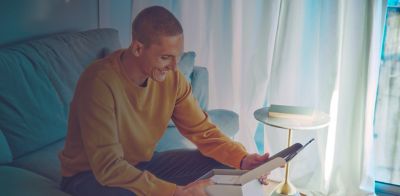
pixel 153 22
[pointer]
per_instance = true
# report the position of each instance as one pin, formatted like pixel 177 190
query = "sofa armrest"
pixel 199 82
pixel 227 121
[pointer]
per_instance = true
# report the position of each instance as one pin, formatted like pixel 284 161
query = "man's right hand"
pixel 194 188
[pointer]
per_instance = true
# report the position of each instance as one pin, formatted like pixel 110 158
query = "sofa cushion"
pixel 172 139
pixel 20 182
pixel 227 121
pixel 37 81
pixel 186 64
pixel 5 155
pixel 31 112
pixel 69 54
pixel 200 86
pixel 47 156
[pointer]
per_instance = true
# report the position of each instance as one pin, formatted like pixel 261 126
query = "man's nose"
pixel 174 64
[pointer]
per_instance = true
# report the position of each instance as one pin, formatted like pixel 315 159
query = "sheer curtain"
pixel 328 58
pixel 322 54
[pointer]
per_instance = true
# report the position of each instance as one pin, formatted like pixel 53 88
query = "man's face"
pixel 162 56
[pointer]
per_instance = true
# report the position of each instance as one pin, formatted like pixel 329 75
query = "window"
pixel 387 113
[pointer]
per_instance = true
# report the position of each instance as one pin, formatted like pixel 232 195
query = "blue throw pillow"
pixel 186 64
pixel 5 152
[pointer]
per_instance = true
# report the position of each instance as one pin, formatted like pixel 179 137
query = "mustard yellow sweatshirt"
pixel 114 124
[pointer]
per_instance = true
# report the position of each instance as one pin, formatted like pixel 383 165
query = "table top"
pixel 319 120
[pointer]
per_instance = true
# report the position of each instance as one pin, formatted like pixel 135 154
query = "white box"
pixel 233 182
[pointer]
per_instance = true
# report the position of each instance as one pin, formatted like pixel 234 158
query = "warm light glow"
pixel 330 150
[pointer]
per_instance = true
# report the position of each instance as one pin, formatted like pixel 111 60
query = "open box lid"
pixel 241 177
pixel 259 171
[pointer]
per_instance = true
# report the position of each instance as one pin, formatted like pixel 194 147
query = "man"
pixel 120 110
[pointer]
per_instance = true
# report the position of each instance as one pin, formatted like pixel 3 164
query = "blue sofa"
pixel 37 81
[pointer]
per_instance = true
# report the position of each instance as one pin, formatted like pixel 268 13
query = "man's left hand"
pixel 254 160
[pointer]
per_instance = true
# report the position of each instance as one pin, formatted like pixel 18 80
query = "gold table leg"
pixel 286 187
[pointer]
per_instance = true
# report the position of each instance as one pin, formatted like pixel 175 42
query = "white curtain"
pixel 322 54
pixel 328 59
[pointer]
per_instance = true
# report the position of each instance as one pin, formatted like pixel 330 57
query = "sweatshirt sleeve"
pixel 97 121
pixel 196 126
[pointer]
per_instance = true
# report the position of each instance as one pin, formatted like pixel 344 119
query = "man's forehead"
pixel 169 43
pixel 164 39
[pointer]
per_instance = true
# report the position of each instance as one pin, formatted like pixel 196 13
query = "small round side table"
pixel 320 120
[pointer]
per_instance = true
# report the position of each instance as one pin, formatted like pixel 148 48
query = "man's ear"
pixel 136 48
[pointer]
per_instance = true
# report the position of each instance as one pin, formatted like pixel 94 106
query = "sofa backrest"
pixel 37 82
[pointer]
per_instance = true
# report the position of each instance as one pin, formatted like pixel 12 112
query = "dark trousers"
pixel 177 166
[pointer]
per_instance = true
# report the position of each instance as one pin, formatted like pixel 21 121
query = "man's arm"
pixel 97 121
pixel 195 125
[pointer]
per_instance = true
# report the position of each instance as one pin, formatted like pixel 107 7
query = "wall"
pixel 28 19
pixel 117 15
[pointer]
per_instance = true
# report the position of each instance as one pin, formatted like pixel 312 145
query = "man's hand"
pixel 194 188
pixel 254 160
